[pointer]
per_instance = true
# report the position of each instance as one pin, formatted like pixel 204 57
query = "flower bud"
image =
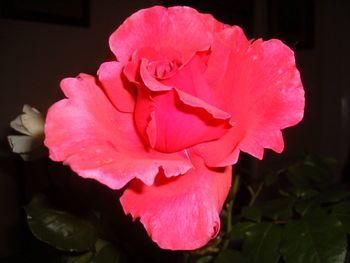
pixel 31 124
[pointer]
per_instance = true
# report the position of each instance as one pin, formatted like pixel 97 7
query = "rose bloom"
pixel 170 114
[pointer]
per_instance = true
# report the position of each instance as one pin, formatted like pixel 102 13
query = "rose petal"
pixel 180 213
pixel 261 88
pixel 170 125
pixel 117 88
pixel 158 27
pixel 97 141
pixel 165 107
pixel 211 23
pixel 189 84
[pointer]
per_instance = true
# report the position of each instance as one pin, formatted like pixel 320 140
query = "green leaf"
pixel 313 172
pixel 347 259
pixel 59 229
pixel 304 193
pixel 309 207
pixel 278 209
pixel 84 258
pixel 271 178
pixel 262 243
pixel 229 256
pixel 334 196
pixel 110 254
pixel 204 259
pixel 342 212
pixel 297 176
pixel 314 240
pixel 240 230
pixel 252 213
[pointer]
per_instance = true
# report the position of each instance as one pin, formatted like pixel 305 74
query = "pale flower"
pixel 31 124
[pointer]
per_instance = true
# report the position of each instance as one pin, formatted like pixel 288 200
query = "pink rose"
pixel 170 115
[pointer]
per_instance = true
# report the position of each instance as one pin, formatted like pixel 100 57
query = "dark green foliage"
pixel 110 254
pixel 297 215
pixel 314 240
pixel 59 229
pixel 307 220
pixel 228 256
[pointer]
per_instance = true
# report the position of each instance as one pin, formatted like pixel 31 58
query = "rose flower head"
pixel 169 116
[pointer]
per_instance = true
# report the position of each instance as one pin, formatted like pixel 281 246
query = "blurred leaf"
pixel 57 228
pixel 321 162
pixel 240 230
pixel 109 254
pixel 252 213
pixel 284 193
pixel 334 196
pixel 205 259
pixel 342 212
pixel 297 176
pixel 304 193
pixel 278 209
pixel 271 178
pixel 347 258
pixel 229 256
pixel 262 244
pixel 84 258
pixel 314 240
pixel 310 207
pixel 313 171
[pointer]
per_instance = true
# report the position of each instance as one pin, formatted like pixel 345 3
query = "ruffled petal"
pixel 261 88
pixel 172 114
pixel 97 141
pixel 180 213
pixel 169 125
pixel 158 27
pixel 120 92
pixel 211 23
pixel 226 149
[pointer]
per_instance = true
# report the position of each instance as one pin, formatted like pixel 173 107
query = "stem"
pixel 256 194
pixel 229 207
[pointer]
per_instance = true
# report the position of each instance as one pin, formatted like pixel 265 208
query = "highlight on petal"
pixel 261 88
pixel 180 213
pixel 158 27
pixel 97 141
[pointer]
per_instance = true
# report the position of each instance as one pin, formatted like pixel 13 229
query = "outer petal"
pixel 261 88
pixel 97 141
pixel 30 122
pixel 212 24
pixel 22 143
pixel 180 28
pixel 117 88
pixel 180 213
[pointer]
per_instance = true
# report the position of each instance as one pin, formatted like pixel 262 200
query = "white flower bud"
pixel 31 124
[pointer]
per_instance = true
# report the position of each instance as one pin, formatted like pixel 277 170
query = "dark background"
pixel 39 47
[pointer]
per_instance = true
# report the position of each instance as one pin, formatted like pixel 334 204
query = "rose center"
pixel 162 69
